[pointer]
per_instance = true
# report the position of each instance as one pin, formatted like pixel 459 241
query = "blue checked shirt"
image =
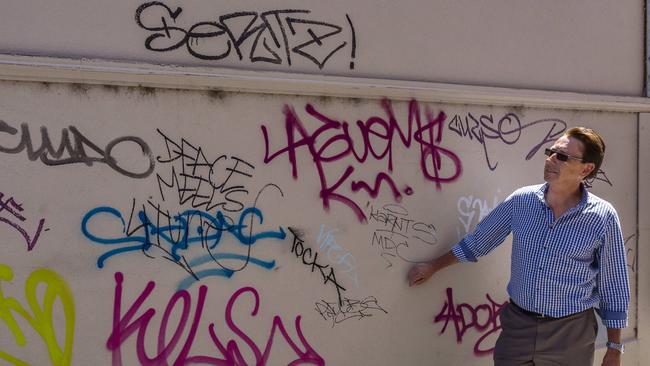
pixel 559 267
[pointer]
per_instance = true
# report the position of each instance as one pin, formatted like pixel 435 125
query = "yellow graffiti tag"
pixel 41 317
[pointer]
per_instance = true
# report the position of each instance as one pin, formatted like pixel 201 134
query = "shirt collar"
pixel 541 193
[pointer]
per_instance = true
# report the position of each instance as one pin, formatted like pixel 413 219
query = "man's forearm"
pixel 613 356
pixel 614 335
pixel 444 260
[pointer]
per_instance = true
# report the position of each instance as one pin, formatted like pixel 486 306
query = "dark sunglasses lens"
pixel 558 155
pixel 561 157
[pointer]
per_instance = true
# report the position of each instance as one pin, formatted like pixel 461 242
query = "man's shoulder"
pixel 536 190
pixel 527 196
pixel 597 203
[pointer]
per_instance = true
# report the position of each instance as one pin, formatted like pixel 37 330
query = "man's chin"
pixel 550 176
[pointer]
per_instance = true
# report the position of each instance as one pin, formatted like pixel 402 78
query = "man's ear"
pixel 589 167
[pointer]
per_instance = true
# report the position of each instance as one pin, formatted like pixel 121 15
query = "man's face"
pixel 568 172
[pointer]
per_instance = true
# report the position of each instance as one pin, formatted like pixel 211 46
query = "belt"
pixel 531 313
pixel 541 316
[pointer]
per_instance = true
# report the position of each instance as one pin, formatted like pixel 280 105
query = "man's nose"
pixel 552 157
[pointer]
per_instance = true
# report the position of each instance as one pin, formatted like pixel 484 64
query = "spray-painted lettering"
pixel 337 255
pixel 631 253
pixel 274 36
pixel 176 238
pixel 42 305
pixel 75 148
pixel 206 184
pixel 600 176
pixel 471 210
pixel 397 235
pixel 350 309
pixel 14 211
pixel 483 318
pixel 437 164
pixel 136 319
pixel 507 129
pixel 306 255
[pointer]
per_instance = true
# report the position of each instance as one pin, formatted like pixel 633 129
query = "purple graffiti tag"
pixel 15 209
pixel 137 319
pixel 124 327
pixel 631 253
pixel 465 317
pixel 232 352
pixel 507 130
pixel 438 165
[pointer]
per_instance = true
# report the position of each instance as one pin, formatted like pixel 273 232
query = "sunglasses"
pixel 560 155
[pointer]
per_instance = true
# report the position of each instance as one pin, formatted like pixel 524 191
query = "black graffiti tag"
pixel 507 130
pixel 306 254
pixel 204 183
pixel 273 36
pixel 72 149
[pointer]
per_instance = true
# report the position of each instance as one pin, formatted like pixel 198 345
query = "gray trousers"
pixel 528 340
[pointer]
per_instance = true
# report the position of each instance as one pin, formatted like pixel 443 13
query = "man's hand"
pixel 612 358
pixel 420 273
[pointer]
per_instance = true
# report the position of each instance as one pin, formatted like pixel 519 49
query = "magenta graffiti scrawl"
pixel 438 165
pixel 136 319
pixel 483 318
pixel 16 220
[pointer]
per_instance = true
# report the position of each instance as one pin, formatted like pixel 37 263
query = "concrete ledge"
pixel 49 69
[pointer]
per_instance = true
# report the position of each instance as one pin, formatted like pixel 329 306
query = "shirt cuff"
pixel 462 252
pixel 613 319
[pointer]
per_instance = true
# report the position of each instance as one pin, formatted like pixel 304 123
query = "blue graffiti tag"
pixel 209 234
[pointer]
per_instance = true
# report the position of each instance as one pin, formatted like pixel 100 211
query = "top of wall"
pixel 580 46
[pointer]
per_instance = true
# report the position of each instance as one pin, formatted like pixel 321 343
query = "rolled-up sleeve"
pixel 489 233
pixel 612 279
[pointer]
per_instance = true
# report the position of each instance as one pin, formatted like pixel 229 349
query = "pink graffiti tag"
pixel 124 326
pixel 15 209
pixel 465 316
pixel 377 138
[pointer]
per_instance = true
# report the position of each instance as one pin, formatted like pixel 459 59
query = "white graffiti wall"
pixel 494 43
pixel 146 226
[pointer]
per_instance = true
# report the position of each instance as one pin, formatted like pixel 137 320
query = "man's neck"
pixel 562 198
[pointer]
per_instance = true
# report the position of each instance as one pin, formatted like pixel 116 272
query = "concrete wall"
pixel 203 191
pixel 583 46
pixel 402 54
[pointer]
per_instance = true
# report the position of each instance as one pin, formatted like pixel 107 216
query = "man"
pixel 568 256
